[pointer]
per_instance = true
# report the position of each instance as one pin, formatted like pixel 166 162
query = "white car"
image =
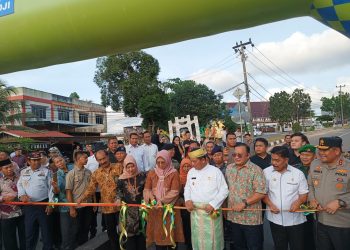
pixel 257 132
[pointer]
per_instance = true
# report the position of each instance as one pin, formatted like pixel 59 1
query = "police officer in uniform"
pixel 34 184
pixel 329 185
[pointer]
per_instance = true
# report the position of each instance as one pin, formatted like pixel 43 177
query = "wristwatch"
pixel 245 203
pixel 342 204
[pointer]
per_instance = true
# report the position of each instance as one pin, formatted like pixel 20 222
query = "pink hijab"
pixel 163 173
pixel 125 175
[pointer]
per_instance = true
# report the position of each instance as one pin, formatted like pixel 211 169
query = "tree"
pixel 124 79
pixel 332 106
pixel 301 103
pixel 154 109
pixel 230 126
pixel 280 108
pixel 9 110
pixel 189 98
pixel 74 95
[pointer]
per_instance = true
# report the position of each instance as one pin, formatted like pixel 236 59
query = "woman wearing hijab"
pixel 185 166
pixel 163 186
pixel 130 187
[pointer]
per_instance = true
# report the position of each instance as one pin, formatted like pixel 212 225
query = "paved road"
pixel 343 133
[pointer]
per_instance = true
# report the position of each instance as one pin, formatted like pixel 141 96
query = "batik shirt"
pixel 242 184
pixel 106 179
pixel 8 187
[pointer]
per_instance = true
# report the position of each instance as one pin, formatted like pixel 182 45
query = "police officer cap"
pixel 121 149
pixel 34 155
pixel 5 162
pixel 216 149
pixel 330 142
pixel 307 148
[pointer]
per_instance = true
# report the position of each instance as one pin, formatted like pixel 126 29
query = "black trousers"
pixel 137 242
pixel 290 235
pixel 35 217
pixel 81 225
pixel 246 237
pixel 309 241
pixel 10 228
pixel 111 221
pixel 55 227
pixel 332 238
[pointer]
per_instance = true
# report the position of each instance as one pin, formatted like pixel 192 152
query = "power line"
pixel 217 65
pixel 276 66
pixel 259 84
pixel 267 66
pixel 292 81
pixel 229 89
pixel 208 73
pixel 281 83
pixel 258 93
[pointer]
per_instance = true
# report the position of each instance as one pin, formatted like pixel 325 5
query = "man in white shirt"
pixel 137 152
pixel 151 151
pixel 287 189
pixel 205 191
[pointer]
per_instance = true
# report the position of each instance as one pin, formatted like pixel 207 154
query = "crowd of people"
pixel 253 182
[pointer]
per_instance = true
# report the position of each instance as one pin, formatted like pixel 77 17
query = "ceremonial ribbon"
pixel 144 211
pixel 215 214
pixel 73 204
pixel 122 223
pixel 169 209
pixel 307 209
pixel 55 200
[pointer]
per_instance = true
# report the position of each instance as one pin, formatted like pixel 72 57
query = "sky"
pixel 295 53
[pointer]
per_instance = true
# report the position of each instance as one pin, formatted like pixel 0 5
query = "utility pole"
pixel 341 103
pixel 239 48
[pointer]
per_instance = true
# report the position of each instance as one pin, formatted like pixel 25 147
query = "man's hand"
pixel 8 198
pixel 238 207
pixel 118 203
pixel 209 209
pixel 189 205
pixel 72 212
pixel 295 206
pixel 80 200
pixel 54 184
pixel 24 198
pixel 273 209
pixel 159 204
pixel 48 210
pixel 332 207
pixel 315 205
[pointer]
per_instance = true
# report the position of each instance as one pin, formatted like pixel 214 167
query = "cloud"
pixel 301 54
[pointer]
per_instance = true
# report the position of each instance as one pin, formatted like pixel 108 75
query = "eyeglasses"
pixel 237 155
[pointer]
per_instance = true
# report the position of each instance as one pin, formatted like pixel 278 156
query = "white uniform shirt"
pixel 151 151
pixel 207 185
pixel 138 153
pixel 283 189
